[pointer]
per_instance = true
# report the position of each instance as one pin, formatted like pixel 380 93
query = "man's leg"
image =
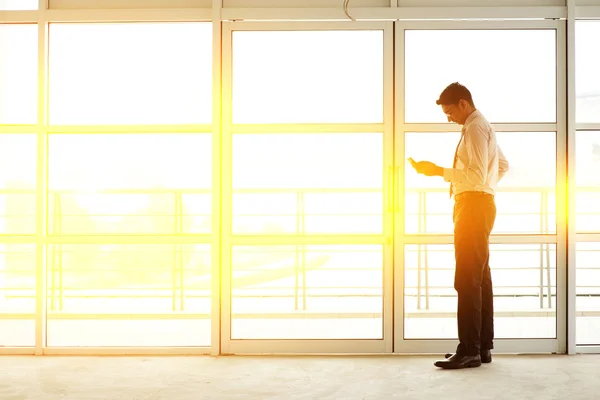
pixel 487 292
pixel 468 288
pixel 471 245
pixel 474 220
pixel 487 310
pixel 471 252
pixel 472 255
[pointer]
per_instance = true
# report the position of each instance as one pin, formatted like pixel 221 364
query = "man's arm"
pixel 475 172
pixel 502 164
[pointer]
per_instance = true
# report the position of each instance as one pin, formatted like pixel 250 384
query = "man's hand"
pixel 426 168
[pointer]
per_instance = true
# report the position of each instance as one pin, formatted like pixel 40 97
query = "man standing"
pixel 478 166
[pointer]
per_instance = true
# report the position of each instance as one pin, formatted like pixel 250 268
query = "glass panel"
pixel 17 295
pixel 144 184
pixel 18 73
pixel 308 77
pixel 587 259
pixel 587 161
pixel 500 65
pixel 137 73
pixel 19 5
pixel 525 198
pixel 524 279
pixel 129 295
pixel 308 183
pixel 587 65
pixel 307 292
pixel 18 159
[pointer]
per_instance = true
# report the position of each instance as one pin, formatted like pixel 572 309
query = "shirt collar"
pixel 471 117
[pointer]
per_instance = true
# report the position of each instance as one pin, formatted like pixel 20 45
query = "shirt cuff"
pixel 448 174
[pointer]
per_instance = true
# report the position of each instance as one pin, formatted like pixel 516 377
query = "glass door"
pixel 511 70
pixel 307 211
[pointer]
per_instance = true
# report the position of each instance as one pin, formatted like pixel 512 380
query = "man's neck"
pixel 471 111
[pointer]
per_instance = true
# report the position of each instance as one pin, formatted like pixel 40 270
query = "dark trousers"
pixel 474 217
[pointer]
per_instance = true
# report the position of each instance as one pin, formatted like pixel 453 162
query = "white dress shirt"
pixel 480 163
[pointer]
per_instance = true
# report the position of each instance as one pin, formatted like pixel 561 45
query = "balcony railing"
pixel 178 288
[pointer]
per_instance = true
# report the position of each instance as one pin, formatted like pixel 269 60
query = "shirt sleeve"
pixel 475 170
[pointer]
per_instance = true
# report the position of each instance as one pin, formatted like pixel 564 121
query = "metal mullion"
pixel 511 346
pixel 31 129
pixel 226 186
pixel 307 346
pixel 20 351
pixel 585 237
pixel 588 126
pixel 588 349
pixel 19 17
pixel 130 15
pixel 494 239
pixel 563 174
pixel 18 239
pixel 293 240
pixel 303 25
pixel 400 189
pixel 130 4
pixel 126 351
pixel 388 212
pixel 41 181
pixel 217 181
pixel 583 12
pixel 307 128
pixel 130 129
pixel 128 239
pixel 498 127
pixel 396 13
pixel 480 25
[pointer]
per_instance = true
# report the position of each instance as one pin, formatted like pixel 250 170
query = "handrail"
pixel 57 270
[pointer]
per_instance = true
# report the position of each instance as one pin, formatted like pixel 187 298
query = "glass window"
pixel 587 258
pixel 142 73
pixel 18 73
pixel 18 160
pixel 525 197
pixel 510 73
pixel 587 77
pixel 129 295
pixel 18 5
pixel 308 183
pixel 307 292
pixel 308 77
pixel 130 184
pixel 587 157
pixel 17 295
pixel 524 284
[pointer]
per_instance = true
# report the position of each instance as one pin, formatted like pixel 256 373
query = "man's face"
pixel 455 112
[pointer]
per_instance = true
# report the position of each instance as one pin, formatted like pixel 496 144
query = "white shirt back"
pixel 480 163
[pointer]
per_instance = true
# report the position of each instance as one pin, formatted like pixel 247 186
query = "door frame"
pixel 314 346
pixel 425 346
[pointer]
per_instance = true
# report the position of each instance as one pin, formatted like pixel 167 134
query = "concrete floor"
pixel 296 377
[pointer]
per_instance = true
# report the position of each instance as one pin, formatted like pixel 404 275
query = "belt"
pixel 465 195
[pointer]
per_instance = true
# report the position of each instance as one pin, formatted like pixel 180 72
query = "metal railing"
pixel 57 289
pixel 545 291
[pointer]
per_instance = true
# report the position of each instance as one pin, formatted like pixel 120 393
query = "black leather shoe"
pixel 458 361
pixel 486 356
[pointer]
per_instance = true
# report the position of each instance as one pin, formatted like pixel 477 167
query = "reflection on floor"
pixel 508 377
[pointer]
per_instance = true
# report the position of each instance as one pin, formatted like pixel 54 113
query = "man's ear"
pixel 463 104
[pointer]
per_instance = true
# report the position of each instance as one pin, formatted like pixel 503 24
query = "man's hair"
pixel 454 93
